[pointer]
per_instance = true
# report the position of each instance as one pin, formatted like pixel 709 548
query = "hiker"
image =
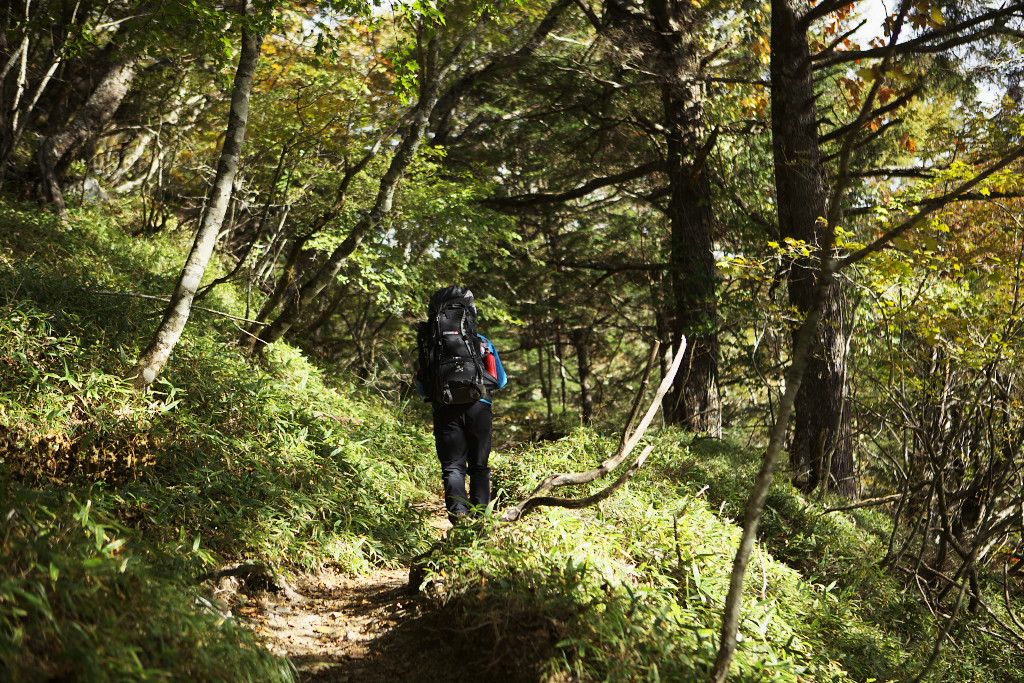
pixel 457 371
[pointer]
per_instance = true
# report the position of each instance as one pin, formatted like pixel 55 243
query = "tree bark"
pixel 581 342
pixel 57 151
pixel 693 401
pixel 822 449
pixel 176 315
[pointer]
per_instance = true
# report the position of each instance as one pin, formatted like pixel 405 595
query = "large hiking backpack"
pixel 451 365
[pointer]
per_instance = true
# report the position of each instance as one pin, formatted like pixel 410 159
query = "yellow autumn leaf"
pixel 868 74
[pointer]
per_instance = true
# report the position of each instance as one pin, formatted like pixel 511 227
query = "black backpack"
pixel 451 366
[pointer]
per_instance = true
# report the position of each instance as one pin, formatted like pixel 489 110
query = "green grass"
pixel 635 587
pixel 633 590
pixel 84 598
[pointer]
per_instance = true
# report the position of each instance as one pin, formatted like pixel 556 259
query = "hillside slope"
pixel 116 502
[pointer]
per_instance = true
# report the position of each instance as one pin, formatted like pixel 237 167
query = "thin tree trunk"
pixel 805 337
pixel 21 116
pixel 261 269
pixel 176 315
pixel 544 377
pixel 581 342
pixel 288 280
pixel 328 313
pixel 141 143
pixel 19 57
pixel 560 356
pixel 549 370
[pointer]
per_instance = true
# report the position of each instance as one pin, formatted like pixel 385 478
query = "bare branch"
pixel 963 197
pixel 896 172
pixel 929 207
pixel 638 401
pixel 578 503
pixel 824 9
pixel 165 299
pixel 863 119
pixel 871 502
pixel 948 36
pixel 539 497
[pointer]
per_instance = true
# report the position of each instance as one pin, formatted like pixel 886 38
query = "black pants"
pixel 462 434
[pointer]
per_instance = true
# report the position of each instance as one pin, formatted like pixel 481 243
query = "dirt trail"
pixel 345 629
pixel 368 628
pixel 371 629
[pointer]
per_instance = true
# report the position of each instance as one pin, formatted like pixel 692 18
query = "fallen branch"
pixel 629 441
pixel 578 503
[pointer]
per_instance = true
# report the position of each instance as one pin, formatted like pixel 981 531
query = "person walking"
pixel 458 370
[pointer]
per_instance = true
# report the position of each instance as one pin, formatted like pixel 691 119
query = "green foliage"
pixel 83 598
pixel 256 463
pixel 633 589
pixel 282 467
pixel 61 421
pixel 221 461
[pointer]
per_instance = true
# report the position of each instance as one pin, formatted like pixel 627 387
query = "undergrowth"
pixel 83 598
pixel 225 460
pixel 634 589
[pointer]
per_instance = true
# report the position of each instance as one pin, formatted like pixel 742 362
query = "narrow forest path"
pixel 349 628
pixel 369 628
pixel 364 627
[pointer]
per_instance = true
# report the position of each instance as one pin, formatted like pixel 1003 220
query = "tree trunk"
pixel 693 401
pixel 544 375
pixel 560 357
pixel 176 315
pixel 822 450
pixel 821 454
pixel 57 151
pixel 581 342
pixel 288 282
